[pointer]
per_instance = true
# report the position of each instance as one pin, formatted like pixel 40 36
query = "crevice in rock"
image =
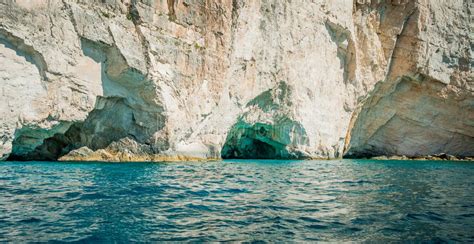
pixel 27 51
pixel 235 14
pixel 70 14
pixel 396 47
pixel 133 13
pixel 137 21
pixel 345 48
pixel 171 10
pixel 114 62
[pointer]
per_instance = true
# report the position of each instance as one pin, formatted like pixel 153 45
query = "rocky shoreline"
pixel 127 150
pixel 437 157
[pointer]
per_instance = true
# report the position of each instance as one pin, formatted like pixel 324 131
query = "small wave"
pixel 93 196
pixel 317 227
pixel 357 182
pixel 309 219
pixel 425 216
pixel 30 220
pixel 301 202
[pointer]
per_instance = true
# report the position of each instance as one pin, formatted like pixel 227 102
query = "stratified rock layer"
pixel 196 79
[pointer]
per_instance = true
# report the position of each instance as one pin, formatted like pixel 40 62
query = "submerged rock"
pixel 173 80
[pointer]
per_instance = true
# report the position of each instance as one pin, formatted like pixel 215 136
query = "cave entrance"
pixel 50 149
pixel 112 119
pixel 253 142
pixel 249 148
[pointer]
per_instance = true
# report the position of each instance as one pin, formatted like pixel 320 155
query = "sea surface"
pixel 253 200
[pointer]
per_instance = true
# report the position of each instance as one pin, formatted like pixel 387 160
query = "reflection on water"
pixel 237 200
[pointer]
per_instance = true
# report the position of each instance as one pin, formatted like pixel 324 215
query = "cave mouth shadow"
pixel 245 141
pixel 52 148
pixel 111 121
pixel 249 148
pixel 265 141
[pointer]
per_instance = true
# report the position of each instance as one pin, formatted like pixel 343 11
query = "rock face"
pixel 150 80
pixel 425 104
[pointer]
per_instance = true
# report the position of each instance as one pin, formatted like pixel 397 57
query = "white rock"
pixel 299 79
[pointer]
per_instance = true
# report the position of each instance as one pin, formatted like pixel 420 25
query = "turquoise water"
pixel 342 200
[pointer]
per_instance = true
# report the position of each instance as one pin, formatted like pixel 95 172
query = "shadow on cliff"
pixel 24 50
pixel 119 113
pixel 413 116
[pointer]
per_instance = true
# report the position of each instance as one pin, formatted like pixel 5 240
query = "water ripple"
pixel 274 201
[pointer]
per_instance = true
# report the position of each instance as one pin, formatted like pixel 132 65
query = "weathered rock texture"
pixel 425 103
pixel 137 80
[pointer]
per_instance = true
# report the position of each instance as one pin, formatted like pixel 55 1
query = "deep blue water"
pixel 346 200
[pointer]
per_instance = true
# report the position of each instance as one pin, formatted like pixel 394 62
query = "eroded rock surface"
pixel 146 80
pixel 425 104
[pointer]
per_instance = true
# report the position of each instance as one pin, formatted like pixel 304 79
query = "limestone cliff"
pixel 140 80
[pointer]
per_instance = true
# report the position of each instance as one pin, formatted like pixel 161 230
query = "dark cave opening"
pixel 249 148
pixel 265 141
pixel 252 142
pixel 111 120
pixel 52 148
